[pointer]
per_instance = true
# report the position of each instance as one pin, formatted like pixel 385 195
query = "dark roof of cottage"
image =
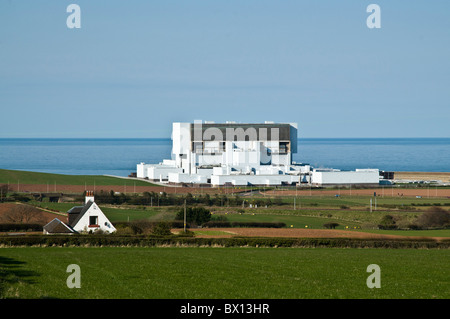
pixel 58 227
pixel 75 209
pixel 75 213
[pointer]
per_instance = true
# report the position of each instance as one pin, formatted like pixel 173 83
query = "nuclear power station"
pixel 241 154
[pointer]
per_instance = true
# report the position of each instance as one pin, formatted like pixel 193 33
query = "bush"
pixel 330 225
pixel 434 217
pixel 388 227
pixel 387 223
pixel 20 227
pixel 195 215
pixel 161 229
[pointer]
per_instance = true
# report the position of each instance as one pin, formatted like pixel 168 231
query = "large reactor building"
pixel 238 154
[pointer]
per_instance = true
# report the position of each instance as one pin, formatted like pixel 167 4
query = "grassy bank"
pixel 16 177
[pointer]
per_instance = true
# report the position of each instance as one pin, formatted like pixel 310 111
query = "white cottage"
pixel 89 217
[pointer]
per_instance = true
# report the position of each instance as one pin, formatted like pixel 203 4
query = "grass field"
pixel 312 218
pixel 195 273
pixel 15 177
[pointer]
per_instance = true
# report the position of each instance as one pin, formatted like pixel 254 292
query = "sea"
pixel 119 156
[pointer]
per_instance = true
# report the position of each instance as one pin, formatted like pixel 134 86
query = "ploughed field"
pixel 302 233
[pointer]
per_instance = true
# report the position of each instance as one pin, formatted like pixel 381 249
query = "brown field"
pixel 78 189
pixel 423 176
pixel 305 191
pixel 382 191
pixel 43 218
pixel 296 233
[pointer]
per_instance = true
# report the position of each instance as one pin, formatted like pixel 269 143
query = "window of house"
pixel 93 220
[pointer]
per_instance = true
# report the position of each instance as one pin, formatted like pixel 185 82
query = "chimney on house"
pixel 89 197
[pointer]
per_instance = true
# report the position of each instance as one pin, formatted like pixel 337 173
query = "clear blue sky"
pixel 136 66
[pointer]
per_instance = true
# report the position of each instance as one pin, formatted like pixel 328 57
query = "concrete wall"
pixel 161 172
pixel 243 180
pixel 187 178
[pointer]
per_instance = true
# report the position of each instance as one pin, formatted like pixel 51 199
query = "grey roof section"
pixel 78 214
pixel 58 227
pixel 243 131
pixel 75 209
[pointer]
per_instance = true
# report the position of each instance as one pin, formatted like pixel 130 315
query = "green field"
pixel 194 273
pixel 295 220
pixel 300 218
pixel 358 201
pixel 119 213
pixel 24 177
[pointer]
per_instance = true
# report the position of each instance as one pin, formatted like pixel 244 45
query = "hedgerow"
pixel 180 240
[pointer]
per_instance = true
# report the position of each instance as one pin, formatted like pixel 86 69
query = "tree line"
pixel 164 199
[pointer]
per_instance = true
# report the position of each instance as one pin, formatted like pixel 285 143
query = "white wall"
pixel 242 180
pixel 141 170
pixel 161 172
pixel 345 177
pixel 187 178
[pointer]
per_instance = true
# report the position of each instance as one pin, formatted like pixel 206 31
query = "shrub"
pixel 161 229
pixel 434 217
pixel 20 227
pixel 388 227
pixel 330 225
pixel 387 222
pixel 195 215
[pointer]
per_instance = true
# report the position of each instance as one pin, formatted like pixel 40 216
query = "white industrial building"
pixel 329 177
pixel 240 154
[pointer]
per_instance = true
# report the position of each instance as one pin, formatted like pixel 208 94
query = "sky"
pixel 135 66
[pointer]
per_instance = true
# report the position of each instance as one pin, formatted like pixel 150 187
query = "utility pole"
pixel 184 215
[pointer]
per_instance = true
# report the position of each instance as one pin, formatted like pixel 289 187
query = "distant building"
pixel 237 155
pixel 87 218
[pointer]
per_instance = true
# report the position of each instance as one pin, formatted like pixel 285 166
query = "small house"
pixel 57 227
pixel 86 218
